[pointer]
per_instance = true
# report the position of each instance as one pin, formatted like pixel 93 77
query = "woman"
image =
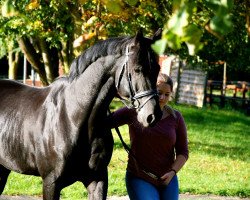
pixel 157 153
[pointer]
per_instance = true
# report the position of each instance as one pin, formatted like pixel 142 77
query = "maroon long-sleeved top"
pixel 153 148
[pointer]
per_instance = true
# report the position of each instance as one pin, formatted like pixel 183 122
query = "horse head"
pixel 136 79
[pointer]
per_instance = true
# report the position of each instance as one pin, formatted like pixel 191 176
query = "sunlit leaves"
pixel 114 6
pixel 221 21
pixel 159 46
pixel 191 38
pixel 132 2
pixel 82 1
pixel 221 24
pixel 184 27
pixel 32 5
pixel 179 20
pixel 180 28
pixel 8 9
pixel 91 21
pixel 183 21
pixel 216 5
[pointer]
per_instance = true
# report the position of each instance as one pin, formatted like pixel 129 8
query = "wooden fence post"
pixel 178 81
pixel 224 85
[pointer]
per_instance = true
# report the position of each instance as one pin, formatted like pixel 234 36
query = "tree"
pixel 53 32
pixel 42 32
pixel 233 48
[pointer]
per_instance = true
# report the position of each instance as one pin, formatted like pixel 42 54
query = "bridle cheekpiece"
pixel 133 96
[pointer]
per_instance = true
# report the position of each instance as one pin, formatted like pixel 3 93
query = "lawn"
pixel 219 162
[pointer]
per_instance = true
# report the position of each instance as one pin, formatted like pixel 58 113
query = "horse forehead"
pixel 144 56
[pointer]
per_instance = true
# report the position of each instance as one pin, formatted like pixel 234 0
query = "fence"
pixel 192 87
pixel 189 87
pixel 235 93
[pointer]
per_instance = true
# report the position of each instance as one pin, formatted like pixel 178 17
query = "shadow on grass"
pixel 220 117
pixel 235 153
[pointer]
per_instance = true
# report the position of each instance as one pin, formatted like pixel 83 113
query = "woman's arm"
pixel 181 148
pixel 119 117
pixel 177 165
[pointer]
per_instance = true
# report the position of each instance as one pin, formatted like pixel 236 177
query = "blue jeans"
pixel 139 189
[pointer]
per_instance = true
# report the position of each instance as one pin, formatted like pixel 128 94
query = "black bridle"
pixel 133 96
pixel 134 103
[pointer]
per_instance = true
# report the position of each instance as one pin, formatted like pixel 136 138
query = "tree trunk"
pixel 67 53
pixel 13 59
pixel 66 56
pixel 248 23
pixel 48 64
pixel 33 57
pixel 248 18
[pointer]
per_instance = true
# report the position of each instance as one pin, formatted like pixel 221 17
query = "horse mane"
pixel 111 46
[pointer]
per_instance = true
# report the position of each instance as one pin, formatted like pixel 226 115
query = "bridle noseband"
pixel 133 96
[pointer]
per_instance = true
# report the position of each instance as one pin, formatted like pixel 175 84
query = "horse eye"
pixel 138 70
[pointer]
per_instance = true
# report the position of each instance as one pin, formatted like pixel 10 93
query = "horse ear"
pixel 157 35
pixel 138 36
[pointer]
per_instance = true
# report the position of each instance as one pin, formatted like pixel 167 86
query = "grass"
pixel 219 143
pixel 219 161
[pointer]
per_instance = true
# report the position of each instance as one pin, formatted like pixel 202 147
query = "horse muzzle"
pixel 149 114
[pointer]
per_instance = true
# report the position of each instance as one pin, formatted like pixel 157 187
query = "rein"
pixel 133 96
pixel 128 150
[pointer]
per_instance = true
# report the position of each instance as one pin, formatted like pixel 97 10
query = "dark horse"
pixel 58 132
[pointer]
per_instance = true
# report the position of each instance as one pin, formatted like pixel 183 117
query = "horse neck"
pixel 93 90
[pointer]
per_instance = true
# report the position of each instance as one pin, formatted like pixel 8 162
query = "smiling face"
pixel 164 88
pixel 164 92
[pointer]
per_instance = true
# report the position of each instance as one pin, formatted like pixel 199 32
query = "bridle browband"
pixel 133 96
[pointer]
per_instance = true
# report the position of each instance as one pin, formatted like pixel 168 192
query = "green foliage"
pixel 180 19
pixel 234 48
pixel 8 9
pixel 221 22
pixel 31 18
pixel 219 161
pixel 185 26
pixel 211 29
pixel 2 48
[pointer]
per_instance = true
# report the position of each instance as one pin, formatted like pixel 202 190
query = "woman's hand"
pixel 166 178
pixel 178 164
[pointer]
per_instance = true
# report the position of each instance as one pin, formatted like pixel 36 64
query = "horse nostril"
pixel 151 119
